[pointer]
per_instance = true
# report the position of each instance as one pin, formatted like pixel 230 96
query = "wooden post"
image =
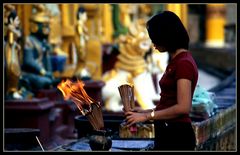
pixel 215 21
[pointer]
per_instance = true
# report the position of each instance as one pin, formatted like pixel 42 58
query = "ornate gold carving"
pixel 40 14
pixel 130 63
pixel 133 47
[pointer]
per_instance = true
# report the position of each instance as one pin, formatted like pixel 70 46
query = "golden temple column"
pixel 25 11
pixel 181 10
pixel 68 18
pixel 94 44
pixel 107 25
pixel 215 21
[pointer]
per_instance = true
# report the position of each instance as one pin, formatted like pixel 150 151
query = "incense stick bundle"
pixel 97 111
pixel 127 95
pixel 95 116
pixel 77 94
pixel 91 118
pixel 88 107
pixel 132 103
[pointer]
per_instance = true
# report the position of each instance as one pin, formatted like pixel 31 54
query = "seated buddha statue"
pixel 37 65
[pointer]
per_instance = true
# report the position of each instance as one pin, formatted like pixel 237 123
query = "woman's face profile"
pixel 159 48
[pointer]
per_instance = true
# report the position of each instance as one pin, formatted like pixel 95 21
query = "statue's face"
pixel 15 26
pixel 82 16
pixel 42 29
pixel 81 21
pixel 45 28
pixel 16 22
pixel 143 43
pixel 138 40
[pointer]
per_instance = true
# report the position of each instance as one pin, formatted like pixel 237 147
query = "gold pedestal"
pixel 140 130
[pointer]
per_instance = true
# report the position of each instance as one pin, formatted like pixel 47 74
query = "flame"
pixel 64 87
pixel 75 92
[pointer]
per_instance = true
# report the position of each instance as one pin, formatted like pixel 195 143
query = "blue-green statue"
pixel 37 66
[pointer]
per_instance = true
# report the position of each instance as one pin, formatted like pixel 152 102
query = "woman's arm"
pixel 139 109
pixel 183 106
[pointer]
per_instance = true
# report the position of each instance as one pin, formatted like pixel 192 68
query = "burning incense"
pixel 87 106
pixel 95 117
pixel 97 112
pixel 76 93
pixel 127 95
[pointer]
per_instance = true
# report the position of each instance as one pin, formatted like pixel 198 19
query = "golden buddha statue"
pixel 11 51
pixel 80 42
pixel 130 67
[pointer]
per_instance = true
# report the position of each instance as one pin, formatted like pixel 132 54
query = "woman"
pixel 173 129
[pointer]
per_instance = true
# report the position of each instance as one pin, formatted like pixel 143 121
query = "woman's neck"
pixel 178 51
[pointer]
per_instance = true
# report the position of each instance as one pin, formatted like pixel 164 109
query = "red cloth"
pixel 182 66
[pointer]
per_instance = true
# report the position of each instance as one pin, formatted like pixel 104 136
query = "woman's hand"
pixel 135 117
pixel 135 109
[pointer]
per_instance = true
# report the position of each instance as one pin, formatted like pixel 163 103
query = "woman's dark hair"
pixel 166 29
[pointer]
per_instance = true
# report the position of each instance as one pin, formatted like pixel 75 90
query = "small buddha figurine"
pixel 37 67
pixel 11 51
pixel 80 41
